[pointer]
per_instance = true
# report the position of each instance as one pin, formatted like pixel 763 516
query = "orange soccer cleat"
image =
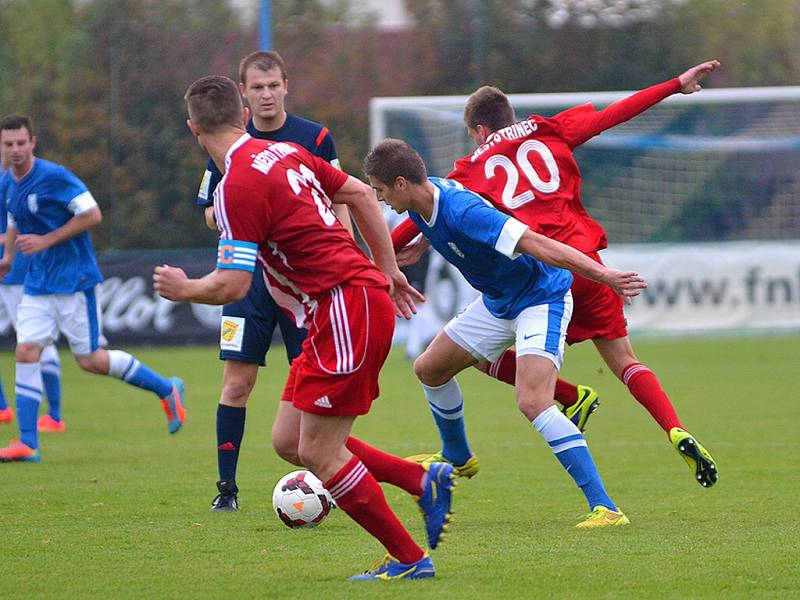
pixel 16 451
pixel 48 424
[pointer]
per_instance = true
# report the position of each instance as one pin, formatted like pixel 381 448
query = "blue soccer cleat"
pixel 437 499
pixel 389 569
pixel 173 406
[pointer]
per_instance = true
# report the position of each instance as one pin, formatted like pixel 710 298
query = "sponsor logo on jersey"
pixel 33 203
pixel 455 249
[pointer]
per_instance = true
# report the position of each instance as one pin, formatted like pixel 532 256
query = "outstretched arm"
pixel 31 243
pixel 588 126
pixel 625 283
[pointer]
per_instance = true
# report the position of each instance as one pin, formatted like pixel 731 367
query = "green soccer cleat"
pixel 697 457
pixel 603 517
pixel 469 469
pixel 587 403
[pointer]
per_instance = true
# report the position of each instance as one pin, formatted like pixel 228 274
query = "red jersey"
pixel 528 171
pixel 277 196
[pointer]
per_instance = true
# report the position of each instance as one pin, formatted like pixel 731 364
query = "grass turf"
pixel 120 509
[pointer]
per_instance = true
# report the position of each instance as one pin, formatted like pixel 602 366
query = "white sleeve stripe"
pixel 81 203
pixel 509 237
pixel 10 222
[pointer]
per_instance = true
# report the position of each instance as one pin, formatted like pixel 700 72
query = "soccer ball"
pixel 300 500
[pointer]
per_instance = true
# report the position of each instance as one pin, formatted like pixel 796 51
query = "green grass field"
pixel 119 509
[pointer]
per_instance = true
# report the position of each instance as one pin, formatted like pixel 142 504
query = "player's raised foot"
pixel 173 406
pixel 469 469
pixel 6 415
pixel 48 424
pixel 389 569
pixel 437 500
pixel 16 451
pixel 226 500
pixel 698 458
pixel 603 517
pixel 587 403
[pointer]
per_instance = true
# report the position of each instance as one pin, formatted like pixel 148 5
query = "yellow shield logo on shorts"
pixel 229 330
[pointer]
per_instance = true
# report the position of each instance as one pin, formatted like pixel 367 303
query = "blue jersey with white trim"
pixel 41 202
pixel 16 276
pixel 310 135
pixel 479 241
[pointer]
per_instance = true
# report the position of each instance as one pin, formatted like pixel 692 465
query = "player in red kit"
pixel 527 169
pixel 273 211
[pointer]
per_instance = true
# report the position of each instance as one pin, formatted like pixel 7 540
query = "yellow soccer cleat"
pixel 698 458
pixel 587 403
pixel 469 469
pixel 603 517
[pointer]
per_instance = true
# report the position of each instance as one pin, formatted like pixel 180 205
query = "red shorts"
pixel 597 310
pixel 348 341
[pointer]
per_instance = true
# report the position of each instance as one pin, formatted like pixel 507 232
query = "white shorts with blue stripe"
pixel 77 316
pixel 539 330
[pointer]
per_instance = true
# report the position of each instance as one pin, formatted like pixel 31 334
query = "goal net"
pixel 719 165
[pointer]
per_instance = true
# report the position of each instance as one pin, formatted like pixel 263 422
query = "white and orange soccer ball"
pixel 300 500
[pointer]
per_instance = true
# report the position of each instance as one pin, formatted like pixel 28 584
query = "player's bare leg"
pixel 578 401
pixel 436 369
pixel 644 386
pixel 286 433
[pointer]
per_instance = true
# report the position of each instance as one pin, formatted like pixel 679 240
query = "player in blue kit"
pixel 248 325
pixel 524 279
pixel 50 212
pixel 10 296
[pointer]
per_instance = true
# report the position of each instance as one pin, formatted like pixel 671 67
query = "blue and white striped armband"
pixel 233 254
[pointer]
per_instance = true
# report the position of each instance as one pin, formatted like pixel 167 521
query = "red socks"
pixel 388 468
pixel 566 393
pixel 504 368
pixel 644 386
pixel 358 494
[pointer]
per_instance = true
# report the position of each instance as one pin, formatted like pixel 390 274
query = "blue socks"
pixel 567 443
pixel 230 431
pixel 51 378
pixel 447 405
pixel 3 401
pixel 124 366
pixel 29 396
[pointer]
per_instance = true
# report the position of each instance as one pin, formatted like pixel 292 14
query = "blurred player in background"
pixel 527 169
pixel 50 212
pixel 11 290
pixel 525 300
pixel 273 209
pixel 248 325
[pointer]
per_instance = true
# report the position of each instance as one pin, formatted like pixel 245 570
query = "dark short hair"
pixel 490 107
pixel 264 60
pixel 17 122
pixel 214 102
pixel 391 159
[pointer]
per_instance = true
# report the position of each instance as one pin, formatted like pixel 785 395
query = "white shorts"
pixel 10 297
pixel 77 316
pixel 539 330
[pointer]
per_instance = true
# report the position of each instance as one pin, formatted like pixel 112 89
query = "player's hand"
pixel 403 294
pixel 169 281
pixel 690 80
pixel 625 283
pixel 411 253
pixel 31 243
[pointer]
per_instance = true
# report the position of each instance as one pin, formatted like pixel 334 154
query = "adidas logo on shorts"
pixel 323 402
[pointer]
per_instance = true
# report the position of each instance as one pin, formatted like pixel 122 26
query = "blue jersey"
pixel 41 202
pixel 310 135
pixel 479 241
pixel 16 276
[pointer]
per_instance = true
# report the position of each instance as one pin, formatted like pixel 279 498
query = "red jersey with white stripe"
pixel 277 196
pixel 528 170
